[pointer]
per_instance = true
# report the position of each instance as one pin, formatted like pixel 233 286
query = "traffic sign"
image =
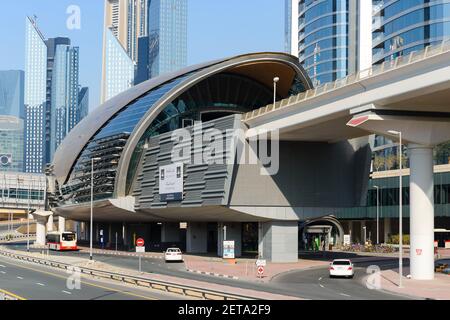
pixel 140 242
pixel 260 270
pixel 261 263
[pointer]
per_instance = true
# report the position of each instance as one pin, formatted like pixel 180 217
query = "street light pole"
pixel 92 207
pixel 378 216
pixel 28 220
pixel 275 81
pixel 400 210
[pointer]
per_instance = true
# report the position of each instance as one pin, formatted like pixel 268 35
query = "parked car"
pixel 341 268
pixel 173 254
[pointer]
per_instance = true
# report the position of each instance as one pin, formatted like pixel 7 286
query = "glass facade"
pixel 11 144
pixel 12 93
pixel 167 23
pixel 119 68
pixel 402 26
pixel 35 97
pixel 324 39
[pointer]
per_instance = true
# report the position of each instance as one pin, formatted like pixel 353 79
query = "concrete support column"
pixel 363 239
pixel 124 234
pixel 234 233
pixel 279 241
pixel 61 224
pixel 421 212
pixel 387 229
pixel 196 237
pixel 50 223
pixel 170 232
pixel 40 231
pixel 350 230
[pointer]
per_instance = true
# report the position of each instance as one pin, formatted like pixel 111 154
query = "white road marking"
pixel 345 295
pixel 40 284
pixel 20 278
pixel 67 292
pixel 2 266
pixel 321 285
pixel 320 278
pixel 2 272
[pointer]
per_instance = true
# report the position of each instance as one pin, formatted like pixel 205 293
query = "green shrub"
pixel 394 239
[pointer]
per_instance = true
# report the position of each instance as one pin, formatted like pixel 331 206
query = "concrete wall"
pixel 279 240
pixel 316 175
pixel 196 237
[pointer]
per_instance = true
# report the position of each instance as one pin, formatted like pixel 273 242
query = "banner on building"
pixel 171 182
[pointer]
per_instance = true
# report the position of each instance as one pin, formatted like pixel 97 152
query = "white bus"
pixel 62 241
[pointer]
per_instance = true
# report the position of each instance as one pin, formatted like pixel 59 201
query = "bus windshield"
pixel 68 236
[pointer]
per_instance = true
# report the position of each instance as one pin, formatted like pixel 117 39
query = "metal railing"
pixel 189 291
pixel 375 70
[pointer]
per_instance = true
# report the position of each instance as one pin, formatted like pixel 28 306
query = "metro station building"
pixel 129 141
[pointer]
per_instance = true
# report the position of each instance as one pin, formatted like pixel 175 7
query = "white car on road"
pixel 173 254
pixel 341 268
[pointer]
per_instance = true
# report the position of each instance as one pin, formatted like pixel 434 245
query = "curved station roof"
pixel 116 131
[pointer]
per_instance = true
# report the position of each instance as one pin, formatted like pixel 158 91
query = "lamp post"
pixel 378 216
pixel 92 205
pixel 275 81
pixel 400 211
pixel 28 220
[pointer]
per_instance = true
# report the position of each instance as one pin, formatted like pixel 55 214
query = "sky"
pixel 216 29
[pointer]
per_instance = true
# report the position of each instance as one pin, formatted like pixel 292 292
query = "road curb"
pixel 213 274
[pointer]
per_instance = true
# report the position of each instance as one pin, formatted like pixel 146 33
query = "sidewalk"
pixel 438 289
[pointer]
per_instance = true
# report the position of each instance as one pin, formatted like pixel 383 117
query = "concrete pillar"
pixel 50 223
pixel 350 230
pixel 421 212
pixel 387 229
pixel 40 231
pixel 196 237
pixel 234 233
pixel 279 241
pixel 61 224
pixel 170 232
pixel 363 239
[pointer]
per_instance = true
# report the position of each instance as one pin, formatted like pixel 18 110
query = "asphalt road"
pixel 303 284
pixel 33 282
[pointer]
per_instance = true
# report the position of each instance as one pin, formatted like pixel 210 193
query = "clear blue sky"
pixel 216 29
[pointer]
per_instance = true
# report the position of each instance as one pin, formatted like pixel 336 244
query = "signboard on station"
pixel 346 239
pixel 171 182
pixel 228 250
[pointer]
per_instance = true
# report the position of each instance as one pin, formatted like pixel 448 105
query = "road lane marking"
pixel 67 292
pixel 40 284
pixel 345 295
pixel 12 294
pixel 84 282
pixel 320 279
pixel 20 278
pixel 321 285
pixel 2 272
pixel 2 266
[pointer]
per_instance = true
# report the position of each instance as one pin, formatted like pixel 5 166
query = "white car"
pixel 173 254
pixel 341 268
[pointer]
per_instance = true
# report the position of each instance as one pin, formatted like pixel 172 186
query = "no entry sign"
pixel 140 242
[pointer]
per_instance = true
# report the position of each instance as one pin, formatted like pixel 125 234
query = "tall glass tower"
pixel 35 96
pixel 167 36
pixel 402 26
pixel 12 93
pixel 332 37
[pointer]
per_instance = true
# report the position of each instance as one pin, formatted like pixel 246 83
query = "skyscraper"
pixel 408 25
pixel 333 36
pixel 35 97
pixel 122 27
pixel 51 95
pixel 12 93
pixel 167 32
pixel 83 106
pixel 11 144
pixel 153 34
